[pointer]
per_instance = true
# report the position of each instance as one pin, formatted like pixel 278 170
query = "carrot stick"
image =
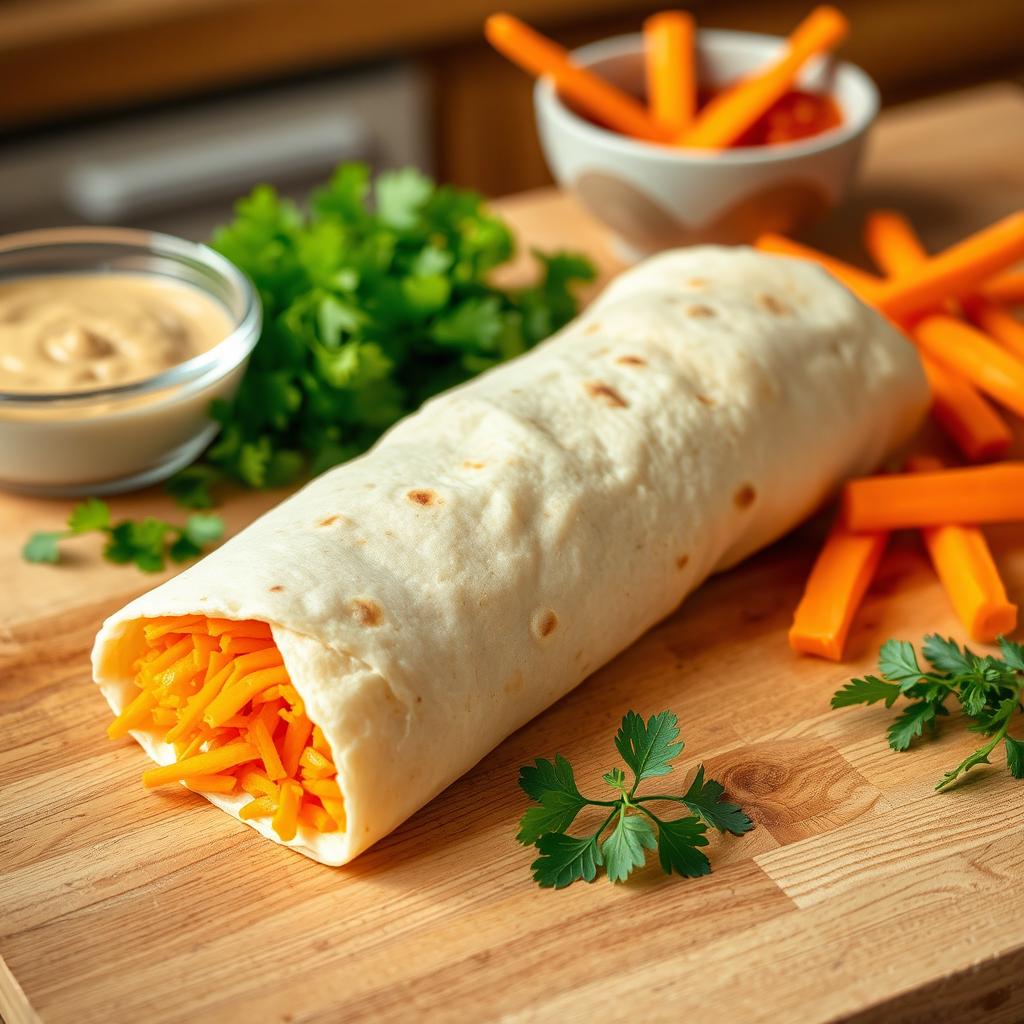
pixel 860 282
pixel 286 818
pixel 969 420
pixel 972 494
pixel 1007 287
pixel 671 68
pixel 988 366
pixel 211 783
pixel 964 565
pixel 726 117
pixel 841 576
pixel 211 763
pixel 996 321
pixel 957 271
pixel 975 427
pixel 594 96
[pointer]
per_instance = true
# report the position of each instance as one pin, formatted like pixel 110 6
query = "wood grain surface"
pixel 860 896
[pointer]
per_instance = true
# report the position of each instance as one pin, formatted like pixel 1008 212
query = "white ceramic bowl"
pixel 655 197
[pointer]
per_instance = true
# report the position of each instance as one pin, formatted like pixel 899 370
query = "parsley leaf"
pixel 146 543
pixel 374 299
pixel 647 748
pixel 988 690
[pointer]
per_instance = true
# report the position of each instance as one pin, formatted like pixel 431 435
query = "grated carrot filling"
pixel 218 691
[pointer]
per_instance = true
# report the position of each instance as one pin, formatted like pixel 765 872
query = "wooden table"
pixel 860 896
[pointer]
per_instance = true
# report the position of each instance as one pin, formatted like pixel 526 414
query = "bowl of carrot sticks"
pixel 675 136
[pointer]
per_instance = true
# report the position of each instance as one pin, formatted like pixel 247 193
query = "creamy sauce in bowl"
pixel 65 333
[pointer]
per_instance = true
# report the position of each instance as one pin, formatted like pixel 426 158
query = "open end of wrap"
pixel 212 702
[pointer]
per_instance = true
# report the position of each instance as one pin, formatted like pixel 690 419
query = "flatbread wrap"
pixel 335 665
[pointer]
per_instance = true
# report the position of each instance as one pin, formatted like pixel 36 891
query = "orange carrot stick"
pixel 969 420
pixel 860 282
pixel 975 427
pixel 726 117
pixel 591 94
pixel 211 783
pixel 957 271
pixel 211 763
pixel 671 68
pixel 841 576
pixel 1007 287
pixel 988 366
pixel 996 321
pixel 286 818
pixel 971 494
pixel 964 565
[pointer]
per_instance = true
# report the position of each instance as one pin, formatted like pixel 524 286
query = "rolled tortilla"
pixel 521 530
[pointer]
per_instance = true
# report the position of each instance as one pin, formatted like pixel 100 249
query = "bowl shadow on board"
pixel 475 818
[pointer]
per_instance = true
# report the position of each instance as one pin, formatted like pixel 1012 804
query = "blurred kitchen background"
pixel 161 112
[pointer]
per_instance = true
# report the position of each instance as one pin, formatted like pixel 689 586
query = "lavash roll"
pixel 519 531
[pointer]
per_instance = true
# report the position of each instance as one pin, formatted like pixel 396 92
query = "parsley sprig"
pixel 375 298
pixel 648 748
pixel 147 542
pixel 988 690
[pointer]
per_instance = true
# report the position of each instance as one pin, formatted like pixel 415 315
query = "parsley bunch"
pixel 147 542
pixel 369 309
pixel 988 690
pixel 647 748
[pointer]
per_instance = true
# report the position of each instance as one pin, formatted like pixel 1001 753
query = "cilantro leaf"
pixel 193 486
pixel 203 529
pixel 565 859
pixel 91 514
pixel 1015 756
pixel 648 748
pixel 988 690
pixel 43 547
pixel 704 799
pixel 624 848
pixel 678 847
pixel 910 724
pixel 868 690
pixel 946 655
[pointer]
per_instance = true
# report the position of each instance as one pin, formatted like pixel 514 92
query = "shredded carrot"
pixel 866 286
pixel 955 272
pixel 588 92
pixel 670 62
pixel 206 680
pixel 971 494
pixel 835 588
pixel 732 111
pixel 286 817
pixel 261 807
pixel 997 322
pixel 963 348
pixel 211 783
pixel 892 242
pixel 1007 287
pixel 964 564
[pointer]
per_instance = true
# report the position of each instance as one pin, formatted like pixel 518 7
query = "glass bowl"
pixel 121 437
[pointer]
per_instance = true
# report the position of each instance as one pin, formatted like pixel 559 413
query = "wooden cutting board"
pixel 861 895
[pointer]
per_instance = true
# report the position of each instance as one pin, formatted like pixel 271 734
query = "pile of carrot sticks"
pixel 671 115
pixel 957 308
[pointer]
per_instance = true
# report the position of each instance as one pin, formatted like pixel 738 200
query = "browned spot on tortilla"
pixel 604 393
pixel 631 361
pixel 544 623
pixel 745 496
pixel 424 496
pixel 705 399
pixel 366 611
pixel 700 311
pixel 592 328
pixel 276 588
pixel 682 561
pixel 697 282
pixel 515 684
pixel 472 465
pixel 328 521
pixel 773 305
